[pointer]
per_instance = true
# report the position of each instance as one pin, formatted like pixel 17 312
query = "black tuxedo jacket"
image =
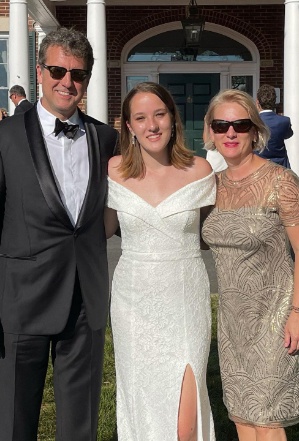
pixel 40 250
pixel 23 107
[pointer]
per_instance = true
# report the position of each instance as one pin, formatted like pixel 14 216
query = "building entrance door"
pixel 192 94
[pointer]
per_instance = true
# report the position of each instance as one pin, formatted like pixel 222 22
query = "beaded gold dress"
pixel 246 233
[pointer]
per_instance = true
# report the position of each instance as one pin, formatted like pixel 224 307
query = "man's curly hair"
pixel 266 96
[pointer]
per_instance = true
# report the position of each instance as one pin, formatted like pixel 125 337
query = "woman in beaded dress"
pixel 255 216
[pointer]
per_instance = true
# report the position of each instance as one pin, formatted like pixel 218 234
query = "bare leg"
pixel 187 419
pixel 246 433
pixel 263 434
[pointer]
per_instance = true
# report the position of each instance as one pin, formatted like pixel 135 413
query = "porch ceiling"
pixel 43 11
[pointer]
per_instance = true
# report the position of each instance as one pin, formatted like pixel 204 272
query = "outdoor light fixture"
pixel 193 26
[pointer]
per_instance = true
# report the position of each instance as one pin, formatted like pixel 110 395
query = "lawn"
pixel 225 429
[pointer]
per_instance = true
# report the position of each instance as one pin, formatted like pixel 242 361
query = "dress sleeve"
pixel 288 198
pixel 109 195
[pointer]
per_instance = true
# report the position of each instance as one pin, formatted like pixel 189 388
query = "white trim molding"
pixel 226 69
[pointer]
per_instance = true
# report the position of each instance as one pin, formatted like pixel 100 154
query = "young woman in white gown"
pixel 160 304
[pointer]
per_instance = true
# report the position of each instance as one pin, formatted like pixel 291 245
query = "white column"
pixel 41 33
pixel 291 69
pixel 18 62
pixel 97 94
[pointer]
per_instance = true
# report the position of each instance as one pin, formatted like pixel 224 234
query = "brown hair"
pixel 266 96
pixel 247 102
pixel 71 41
pixel 132 164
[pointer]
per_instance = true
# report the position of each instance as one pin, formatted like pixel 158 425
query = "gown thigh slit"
pixel 188 400
pixel 160 311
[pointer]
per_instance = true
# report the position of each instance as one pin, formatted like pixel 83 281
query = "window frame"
pixel 5 36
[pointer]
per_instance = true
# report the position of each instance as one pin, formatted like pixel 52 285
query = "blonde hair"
pixel 132 164
pixel 247 102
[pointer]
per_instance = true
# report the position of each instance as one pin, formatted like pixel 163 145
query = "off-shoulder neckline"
pixel 167 197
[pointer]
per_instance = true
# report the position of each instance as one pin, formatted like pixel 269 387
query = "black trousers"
pixel 77 356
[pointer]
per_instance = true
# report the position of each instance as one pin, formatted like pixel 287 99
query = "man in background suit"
pixel 280 126
pixel 53 260
pixel 18 97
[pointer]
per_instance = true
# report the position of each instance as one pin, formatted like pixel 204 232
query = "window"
pixel 3 71
pixel 4 86
pixel 132 80
pixel 169 46
pixel 243 82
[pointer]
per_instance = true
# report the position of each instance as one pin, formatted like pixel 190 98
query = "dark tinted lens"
pixel 78 75
pixel 219 126
pixel 240 125
pixel 57 72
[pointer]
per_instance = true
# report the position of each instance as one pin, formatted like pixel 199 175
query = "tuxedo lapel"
pixel 94 184
pixel 43 168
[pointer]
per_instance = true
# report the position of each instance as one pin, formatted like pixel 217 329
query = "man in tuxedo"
pixel 53 261
pixel 280 126
pixel 18 97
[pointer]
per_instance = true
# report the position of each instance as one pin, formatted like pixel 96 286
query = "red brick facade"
pixel 262 24
pixel 4 8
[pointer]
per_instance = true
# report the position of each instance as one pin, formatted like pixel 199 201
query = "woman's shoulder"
pixel 201 168
pixel 282 173
pixel 113 166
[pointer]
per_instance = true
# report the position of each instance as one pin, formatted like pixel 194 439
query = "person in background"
pixel 54 284
pixel 279 125
pixel 18 97
pixel 160 301
pixel 256 212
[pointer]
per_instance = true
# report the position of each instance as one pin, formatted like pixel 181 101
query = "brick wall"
pixel 4 8
pixel 256 22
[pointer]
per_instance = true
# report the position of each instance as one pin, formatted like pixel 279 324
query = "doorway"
pixel 192 94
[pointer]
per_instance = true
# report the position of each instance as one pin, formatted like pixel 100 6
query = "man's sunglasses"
pixel 57 73
pixel 239 126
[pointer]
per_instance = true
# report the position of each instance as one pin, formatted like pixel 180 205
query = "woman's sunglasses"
pixel 57 73
pixel 239 126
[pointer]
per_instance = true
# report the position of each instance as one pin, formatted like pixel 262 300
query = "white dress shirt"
pixel 69 161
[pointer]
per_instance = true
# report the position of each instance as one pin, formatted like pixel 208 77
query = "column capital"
pixel 18 2
pixel 96 2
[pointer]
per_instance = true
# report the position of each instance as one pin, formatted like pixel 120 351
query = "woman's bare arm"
pixel 110 221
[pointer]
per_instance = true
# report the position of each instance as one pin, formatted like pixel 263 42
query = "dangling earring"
pixel 133 140
pixel 172 131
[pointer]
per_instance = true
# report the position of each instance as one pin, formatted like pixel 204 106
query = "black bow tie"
pixel 69 130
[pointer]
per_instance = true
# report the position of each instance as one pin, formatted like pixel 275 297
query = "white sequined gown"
pixel 160 311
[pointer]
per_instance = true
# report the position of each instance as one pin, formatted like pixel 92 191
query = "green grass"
pixel 225 429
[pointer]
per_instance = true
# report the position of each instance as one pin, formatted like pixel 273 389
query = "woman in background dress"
pixel 256 212
pixel 160 303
